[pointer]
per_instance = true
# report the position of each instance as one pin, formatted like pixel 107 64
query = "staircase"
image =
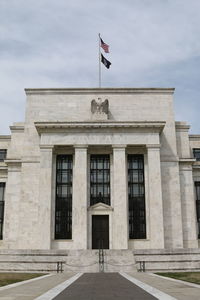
pixel 67 261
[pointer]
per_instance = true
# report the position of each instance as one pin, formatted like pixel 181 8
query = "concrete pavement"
pixel 102 286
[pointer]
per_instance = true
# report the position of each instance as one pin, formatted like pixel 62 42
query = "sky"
pixel 54 43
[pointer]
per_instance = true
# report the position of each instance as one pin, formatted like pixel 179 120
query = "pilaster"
pixel 12 203
pixel 120 201
pixel 79 198
pixel 188 204
pixel 155 197
pixel 45 197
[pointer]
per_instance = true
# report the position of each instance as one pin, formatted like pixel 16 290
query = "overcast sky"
pixel 54 43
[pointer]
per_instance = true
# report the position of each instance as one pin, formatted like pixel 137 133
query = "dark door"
pixel 100 232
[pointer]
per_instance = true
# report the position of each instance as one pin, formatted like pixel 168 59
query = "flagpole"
pixel 99 62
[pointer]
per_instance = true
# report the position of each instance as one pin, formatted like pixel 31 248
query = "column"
pixel 156 229
pixel 12 198
pixel 188 204
pixel 45 197
pixel 79 198
pixel 120 201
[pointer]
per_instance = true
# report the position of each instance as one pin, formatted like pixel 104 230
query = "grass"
pixel 193 277
pixel 8 278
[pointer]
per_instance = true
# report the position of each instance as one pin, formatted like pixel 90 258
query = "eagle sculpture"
pixel 99 107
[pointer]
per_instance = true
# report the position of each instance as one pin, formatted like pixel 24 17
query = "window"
pixel 196 153
pixel 63 210
pixel 136 197
pixel 3 154
pixel 99 179
pixel 2 190
pixel 197 187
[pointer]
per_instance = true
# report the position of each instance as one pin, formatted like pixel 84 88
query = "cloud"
pixel 47 43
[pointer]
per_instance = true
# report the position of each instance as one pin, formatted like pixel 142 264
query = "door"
pixel 100 232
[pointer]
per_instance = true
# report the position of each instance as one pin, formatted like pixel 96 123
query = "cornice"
pixel 17 128
pixel 56 126
pixel 194 137
pixel 190 161
pixel 5 138
pixel 182 126
pixel 10 162
pixel 77 91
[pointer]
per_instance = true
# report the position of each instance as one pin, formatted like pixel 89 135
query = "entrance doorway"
pixel 100 232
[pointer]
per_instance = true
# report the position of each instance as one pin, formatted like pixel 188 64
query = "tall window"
pixel 99 179
pixel 197 187
pixel 3 154
pixel 196 153
pixel 136 197
pixel 63 211
pixel 2 189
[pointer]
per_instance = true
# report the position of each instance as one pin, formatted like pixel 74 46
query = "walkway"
pixel 33 288
pixel 101 286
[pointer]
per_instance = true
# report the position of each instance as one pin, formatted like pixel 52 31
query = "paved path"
pixel 103 286
pixel 33 289
pixel 176 289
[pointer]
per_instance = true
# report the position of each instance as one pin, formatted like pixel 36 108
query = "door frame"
pixel 99 209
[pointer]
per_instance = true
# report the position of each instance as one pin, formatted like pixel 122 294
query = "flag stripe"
pixel 104 46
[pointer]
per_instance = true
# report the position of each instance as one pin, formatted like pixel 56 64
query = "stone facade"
pixel 122 122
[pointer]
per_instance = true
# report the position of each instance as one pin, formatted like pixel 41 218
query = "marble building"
pixel 92 168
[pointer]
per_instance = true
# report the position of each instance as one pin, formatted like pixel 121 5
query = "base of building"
pixel 94 261
pixel 170 260
pixel 67 260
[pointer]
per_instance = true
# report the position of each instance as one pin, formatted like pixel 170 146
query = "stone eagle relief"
pixel 100 109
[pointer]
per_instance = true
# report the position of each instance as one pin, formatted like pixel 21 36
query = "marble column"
pixel 79 198
pixel 120 201
pixel 156 230
pixel 188 204
pixel 45 197
pixel 12 204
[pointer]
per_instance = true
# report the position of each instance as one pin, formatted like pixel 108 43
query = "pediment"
pixel 100 207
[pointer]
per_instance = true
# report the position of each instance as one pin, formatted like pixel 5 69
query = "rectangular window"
pixel 63 209
pixel 99 179
pixel 196 153
pixel 2 190
pixel 3 153
pixel 136 197
pixel 197 188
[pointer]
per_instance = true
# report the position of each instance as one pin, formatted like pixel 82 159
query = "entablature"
pixel 43 127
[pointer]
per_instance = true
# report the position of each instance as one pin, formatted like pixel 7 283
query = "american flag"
pixel 104 46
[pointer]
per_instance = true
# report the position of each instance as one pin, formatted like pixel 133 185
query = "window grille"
pixel 197 188
pixel 196 153
pixel 2 190
pixel 63 210
pixel 99 179
pixel 136 197
pixel 3 153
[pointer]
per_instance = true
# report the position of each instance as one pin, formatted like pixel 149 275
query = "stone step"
pixel 72 260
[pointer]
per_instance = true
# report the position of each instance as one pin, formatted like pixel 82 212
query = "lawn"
pixel 8 278
pixel 193 277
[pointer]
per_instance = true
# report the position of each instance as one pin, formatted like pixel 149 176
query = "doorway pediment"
pixel 100 207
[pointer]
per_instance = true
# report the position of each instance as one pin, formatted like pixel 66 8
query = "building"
pixel 94 168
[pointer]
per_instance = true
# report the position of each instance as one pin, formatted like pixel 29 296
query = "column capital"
pixel 119 146
pixel 153 146
pixel 77 146
pixel 46 147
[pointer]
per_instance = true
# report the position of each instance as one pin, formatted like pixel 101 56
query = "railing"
pixel 101 256
pixel 141 266
pixel 59 266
